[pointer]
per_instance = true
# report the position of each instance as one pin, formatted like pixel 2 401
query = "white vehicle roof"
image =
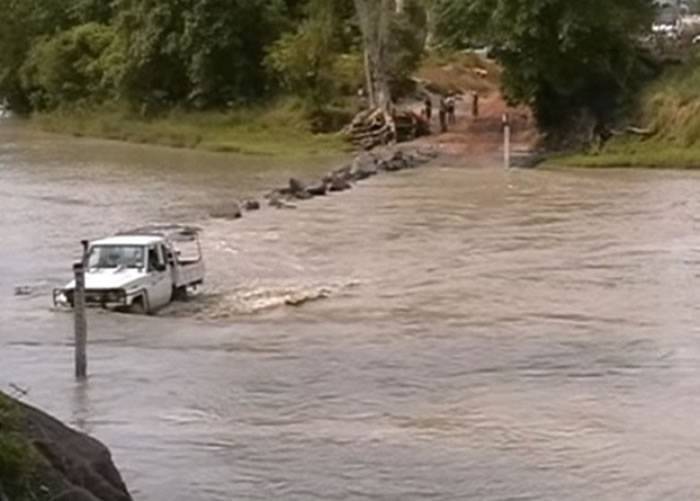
pixel 129 240
pixel 151 234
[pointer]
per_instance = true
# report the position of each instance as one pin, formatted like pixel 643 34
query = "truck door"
pixel 160 278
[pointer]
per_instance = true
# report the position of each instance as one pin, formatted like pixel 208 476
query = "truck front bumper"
pixel 105 298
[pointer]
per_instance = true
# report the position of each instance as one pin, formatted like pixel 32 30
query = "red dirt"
pixel 482 136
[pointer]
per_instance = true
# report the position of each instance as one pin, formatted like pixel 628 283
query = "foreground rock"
pixel 59 463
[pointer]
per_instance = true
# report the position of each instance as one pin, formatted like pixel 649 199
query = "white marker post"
pixel 506 140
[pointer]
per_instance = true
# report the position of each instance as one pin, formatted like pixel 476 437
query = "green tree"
pixel 310 61
pixel 68 67
pixel 559 56
pixel 393 35
pixel 205 52
pixel 22 22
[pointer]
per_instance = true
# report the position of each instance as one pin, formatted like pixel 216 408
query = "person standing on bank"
pixel 443 114
pixel 475 104
pixel 428 107
pixel 451 104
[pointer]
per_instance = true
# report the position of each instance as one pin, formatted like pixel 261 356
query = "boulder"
pixel 251 205
pixel 317 189
pixel 296 186
pixel 298 190
pixel 279 203
pixel 70 465
pixel 339 184
pixel 23 290
pixel 397 161
pixel 344 173
pixel 230 211
pixel 363 167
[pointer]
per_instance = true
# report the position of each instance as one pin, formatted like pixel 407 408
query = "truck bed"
pixel 189 273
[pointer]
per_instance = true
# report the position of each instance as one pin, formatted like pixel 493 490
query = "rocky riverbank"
pixel 42 459
pixel 363 166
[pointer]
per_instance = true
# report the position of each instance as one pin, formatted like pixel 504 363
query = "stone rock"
pixel 251 205
pixel 296 186
pixel 427 153
pixel 363 167
pixel 298 190
pixel 396 162
pixel 23 290
pixel 339 184
pixel 344 173
pixel 278 203
pixel 74 494
pixel 317 189
pixel 393 166
pixel 72 466
pixel 231 211
pixel 272 194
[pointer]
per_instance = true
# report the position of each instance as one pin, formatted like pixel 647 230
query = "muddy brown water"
pixel 470 333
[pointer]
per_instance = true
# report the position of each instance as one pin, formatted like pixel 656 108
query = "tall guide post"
pixel 80 321
pixel 506 140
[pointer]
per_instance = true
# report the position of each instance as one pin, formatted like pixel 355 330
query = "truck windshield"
pixel 116 256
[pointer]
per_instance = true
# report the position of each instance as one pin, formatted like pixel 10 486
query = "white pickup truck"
pixel 140 270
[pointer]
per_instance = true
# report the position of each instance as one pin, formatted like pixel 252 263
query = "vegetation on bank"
pixel 200 73
pixel 637 155
pixel 564 59
pixel 158 61
pixel 451 70
pixel 669 107
pixel 279 129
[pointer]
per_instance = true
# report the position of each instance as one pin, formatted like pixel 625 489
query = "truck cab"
pixel 139 270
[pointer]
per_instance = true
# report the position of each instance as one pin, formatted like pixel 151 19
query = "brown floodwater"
pixel 463 333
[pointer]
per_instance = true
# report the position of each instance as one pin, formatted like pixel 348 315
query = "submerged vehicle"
pixel 140 270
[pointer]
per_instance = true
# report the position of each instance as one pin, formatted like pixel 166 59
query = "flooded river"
pixel 470 333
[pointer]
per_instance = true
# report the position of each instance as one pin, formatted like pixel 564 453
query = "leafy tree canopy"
pixel 560 56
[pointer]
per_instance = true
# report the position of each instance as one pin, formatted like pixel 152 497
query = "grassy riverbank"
pixel 650 154
pixel 670 107
pixel 280 130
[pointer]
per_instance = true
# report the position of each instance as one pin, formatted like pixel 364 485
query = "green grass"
pixel 283 129
pixel 649 154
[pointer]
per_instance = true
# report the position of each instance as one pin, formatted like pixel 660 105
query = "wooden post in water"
pixel 80 321
pixel 506 140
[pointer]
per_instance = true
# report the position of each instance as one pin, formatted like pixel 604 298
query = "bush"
pixel 68 67
pixel 303 62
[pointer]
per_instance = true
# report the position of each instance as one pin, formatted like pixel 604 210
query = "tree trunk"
pixel 375 21
pixel 430 24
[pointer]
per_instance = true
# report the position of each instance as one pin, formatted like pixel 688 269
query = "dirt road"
pixel 482 136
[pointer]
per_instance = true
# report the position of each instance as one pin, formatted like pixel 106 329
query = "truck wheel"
pixel 138 307
pixel 180 293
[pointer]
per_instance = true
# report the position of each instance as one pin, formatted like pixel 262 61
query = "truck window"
pixel 115 256
pixel 153 262
pixel 156 258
